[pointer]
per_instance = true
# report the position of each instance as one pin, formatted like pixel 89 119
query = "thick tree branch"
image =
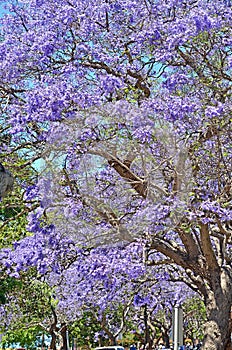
pixel 190 244
pixel 139 185
pixel 207 249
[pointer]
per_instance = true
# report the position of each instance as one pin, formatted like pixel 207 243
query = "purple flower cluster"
pixel 127 105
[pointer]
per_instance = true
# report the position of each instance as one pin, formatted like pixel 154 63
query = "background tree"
pixel 194 318
pixel 29 312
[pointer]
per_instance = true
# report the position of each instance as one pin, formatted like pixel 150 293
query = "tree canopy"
pixel 127 104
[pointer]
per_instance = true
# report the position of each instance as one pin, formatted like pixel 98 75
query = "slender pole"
pixel 177 327
pixel 67 338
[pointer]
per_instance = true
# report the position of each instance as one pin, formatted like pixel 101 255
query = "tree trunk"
pixel 166 338
pixel 53 328
pixel 147 343
pixel 113 340
pixel 53 340
pixel 63 332
pixel 217 329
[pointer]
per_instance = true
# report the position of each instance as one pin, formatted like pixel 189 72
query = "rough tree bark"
pixel 217 329
pixel 63 332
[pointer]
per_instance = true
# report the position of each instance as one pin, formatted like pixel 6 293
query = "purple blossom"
pixel 128 104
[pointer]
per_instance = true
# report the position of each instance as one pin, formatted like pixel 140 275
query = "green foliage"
pixel 84 329
pixel 25 337
pixel 14 209
pixel 7 284
pixel 30 304
pixel 194 316
pixel 34 298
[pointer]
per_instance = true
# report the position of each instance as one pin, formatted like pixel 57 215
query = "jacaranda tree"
pixel 128 103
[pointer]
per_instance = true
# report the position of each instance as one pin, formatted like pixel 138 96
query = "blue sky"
pixel 2 10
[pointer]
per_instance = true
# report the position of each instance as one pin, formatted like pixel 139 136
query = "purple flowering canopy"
pixel 128 106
